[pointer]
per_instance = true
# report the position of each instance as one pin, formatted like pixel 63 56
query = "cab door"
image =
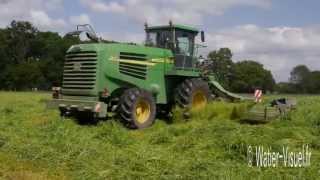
pixel 184 50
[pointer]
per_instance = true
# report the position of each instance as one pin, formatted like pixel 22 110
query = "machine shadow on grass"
pixel 84 119
pixel 252 122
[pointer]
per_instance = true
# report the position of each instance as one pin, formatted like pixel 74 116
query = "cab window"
pixel 151 39
pixel 184 43
pixel 160 39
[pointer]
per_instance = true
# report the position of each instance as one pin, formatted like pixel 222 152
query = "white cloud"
pixel 123 37
pixel 35 11
pixel 100 6
pixel 278 48
pixel 81 19
pixel 41 20
pixel 182 11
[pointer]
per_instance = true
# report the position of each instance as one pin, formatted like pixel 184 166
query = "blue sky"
pixel 278 33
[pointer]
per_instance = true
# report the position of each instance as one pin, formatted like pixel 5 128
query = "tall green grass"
pixel 35 143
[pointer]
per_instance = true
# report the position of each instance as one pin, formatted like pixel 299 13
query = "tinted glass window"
pixel 151 39
pixel 161 39
pixel 184 43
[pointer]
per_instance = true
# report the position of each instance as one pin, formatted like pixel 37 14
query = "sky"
pixel 280 34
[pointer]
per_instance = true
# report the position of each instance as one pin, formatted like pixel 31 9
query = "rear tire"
pixel 137 108
pixel 193 94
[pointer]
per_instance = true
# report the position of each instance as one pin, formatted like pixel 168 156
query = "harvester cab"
pixel 177 38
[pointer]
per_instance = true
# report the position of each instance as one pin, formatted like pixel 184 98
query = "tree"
pixel 312 82
pixel 285 87
pixel 250 75
pixel 302 81
pixel 24 76
pixel 242 77
pixel 222 65
pixel 299 78
pixel 299 74
pixel 4 58
pixel 21 36
pixel 30 58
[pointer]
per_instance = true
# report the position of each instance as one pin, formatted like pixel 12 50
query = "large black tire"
pixel 193 94
pixel 137 108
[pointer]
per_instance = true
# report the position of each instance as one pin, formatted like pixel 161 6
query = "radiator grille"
pixel 133 56
pixel 80 70
pixel 134 70
pixel 138 71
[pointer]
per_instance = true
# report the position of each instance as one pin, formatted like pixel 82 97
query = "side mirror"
pixel 203 39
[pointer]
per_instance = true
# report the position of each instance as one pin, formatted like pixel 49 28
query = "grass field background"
pixel 36 144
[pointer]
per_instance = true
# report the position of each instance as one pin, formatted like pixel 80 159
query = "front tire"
pixel 193 94
pixel 137 108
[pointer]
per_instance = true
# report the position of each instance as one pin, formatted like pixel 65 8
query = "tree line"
pixel 247 75
pixel 243 76
pixel 302 80
pixel 30 59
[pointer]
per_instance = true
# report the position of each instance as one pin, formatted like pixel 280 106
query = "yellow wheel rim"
pixel 199 100
pixel 143 111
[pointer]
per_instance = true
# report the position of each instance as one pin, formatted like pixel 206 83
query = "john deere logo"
pixel 77 66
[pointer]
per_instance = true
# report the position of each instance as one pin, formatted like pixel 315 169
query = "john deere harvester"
pixel 136 81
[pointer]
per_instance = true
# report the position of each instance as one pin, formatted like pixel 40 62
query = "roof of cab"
pixel 177 26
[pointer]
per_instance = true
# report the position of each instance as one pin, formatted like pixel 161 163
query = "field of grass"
pixel 36 144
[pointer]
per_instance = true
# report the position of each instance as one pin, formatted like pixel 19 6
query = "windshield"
pixel 182 45
pixel 159 38
pixel 151 39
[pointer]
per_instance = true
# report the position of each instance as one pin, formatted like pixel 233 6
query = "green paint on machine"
pixel 132 79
